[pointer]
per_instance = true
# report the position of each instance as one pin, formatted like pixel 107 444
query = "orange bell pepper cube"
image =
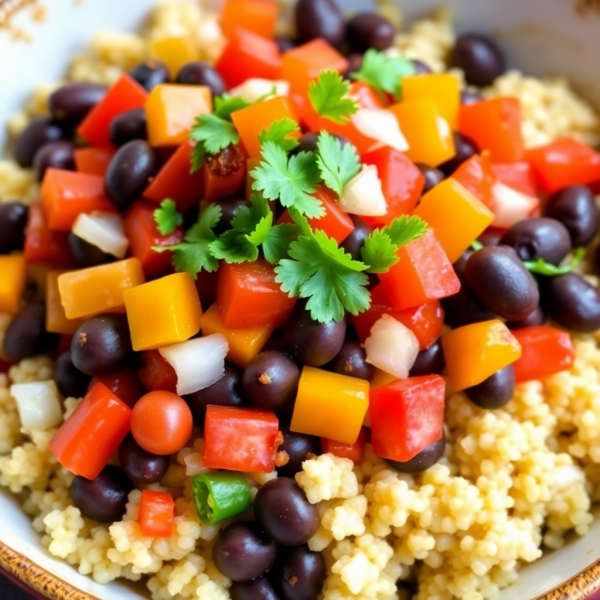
pixel 244 344
pixel 56 320
pixel 428 134
pixel 247 56
pixel 124 383
pixel 13 270
pixel 442 88
pixel 163 312
pixel 67 194
pixel 456 216
pixel 125 94
pixel 478 175
pixel 517 175
pixel 156 373
pixel 93 161
pixel 43 246
pixel 330 405
pixel 92 434
pixel 475 352
pixel 223 174
pixel 97 290
pixel 157 514
pixel 175 52
pixel 171 111
pixel 257 16
pixel 355 452
pixel 422 274
pixel 562 163
pixel 248 296
pixel 176 181
pixel 546 351
pixel 494 125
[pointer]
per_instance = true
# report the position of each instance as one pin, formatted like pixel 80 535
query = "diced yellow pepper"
pixel 97 290
pixel 442 88
pixel 163 312
pixel 175 52
pixel 171 111
pixel 455 214
pixel 330 405
pixel 56 320
pixel 13 274
pixel 244 344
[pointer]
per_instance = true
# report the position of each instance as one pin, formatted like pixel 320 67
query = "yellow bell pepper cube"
pixel 163 312
pixel 56 320
pixel 442 88
pixel 13 274
pixel 456 216
pixel 175 52
pixel 428 134
pixel 97 290
pixel 475 352
pixel 244 344
pixel 171 111
pixel 330 405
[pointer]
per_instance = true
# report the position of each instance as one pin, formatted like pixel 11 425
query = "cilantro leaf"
pixel 338 164
pixel 291 180
pixel 405 229
pixel 328 97
pixel 382 73
pixel 167 218
pixel 246 218
pixel 226 104
pixel 234 247
pixel 541 267
pixel 211 134
pixel 279 133
pixel 277 244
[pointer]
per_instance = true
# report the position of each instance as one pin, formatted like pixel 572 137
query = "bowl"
pixel 541 37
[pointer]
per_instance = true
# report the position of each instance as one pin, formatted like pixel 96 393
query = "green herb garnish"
pixel 328 95
pixel 279 133
pixel 541 267
pixel 337 164
pixel 383 73
pixel 167 218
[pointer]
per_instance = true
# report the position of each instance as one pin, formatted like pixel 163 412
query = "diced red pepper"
pixel 355 452
pixel 223 174
pixel 407 416
pixel 157 514
pixel 478 175
pixel 517 175
pixel 156 374
pixel 93 161
pixel 124 384
pixel 546 351
pixel 92 434
pixel 43 246
pixel 240 439
pixel 257 16
pixel 125 94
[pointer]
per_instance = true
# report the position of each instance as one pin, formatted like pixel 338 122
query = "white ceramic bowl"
pixel 542 37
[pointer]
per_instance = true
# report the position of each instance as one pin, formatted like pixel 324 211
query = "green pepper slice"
pixel 220 496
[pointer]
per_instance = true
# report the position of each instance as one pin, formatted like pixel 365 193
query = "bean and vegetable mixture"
pixel 296 306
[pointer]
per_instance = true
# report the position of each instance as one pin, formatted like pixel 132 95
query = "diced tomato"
pixel 240 439
pixel 546 351
pixel 124 384
pixel 43 246
pixel 407 416
pixel 156 374
pixel 478 175
pixel 517 175
pixel 223 174
pixel 93 161
pixel 157 514
pixel 355 452
pixel 257 16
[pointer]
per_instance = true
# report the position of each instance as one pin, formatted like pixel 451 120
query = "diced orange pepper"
pixel 93 161
pixel 97 290
pixel 257 16
pixel 244 344
pixel 56 320
pixel 175 52
pixel 171 111
pixel 478 176
pixel 223 173
pixel 456 216
pixel 43 246
pixel 442 88
pixel 428 134
pixel 13 274
pixel 330 405
pixel 475 352
pixel 163 312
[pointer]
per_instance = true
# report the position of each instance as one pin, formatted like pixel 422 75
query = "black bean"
pixel 26 335
pixel 491 237
pixel 465 147
pixel 285 44
pixel 421 68
pixel 13 220
pixel 320 19
pixel 299 574
pixel 127 126
pixel 369 30
pixel 355 61
pixel 141 466
pixel 430 361
pixel 229 207
pixel 576 209
pixel 432 176
pixel 40 131
pixel 85 254
pixel 257 589
pixel 70 381
pixel 54 155
pixel 354 243
pixel 200 73
pixel 351 361
pixel 151 73
pixel 479 57
pixel 467 98
pixel 494 392
pixel 73 101
pixel 537 317
pixel 297 446
pixel 422 461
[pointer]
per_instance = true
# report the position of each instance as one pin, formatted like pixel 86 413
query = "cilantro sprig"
pixel 167 218
pixel 383 73
pixel 279 133
pixel 328 96
pixel 541 267
pixel 337 164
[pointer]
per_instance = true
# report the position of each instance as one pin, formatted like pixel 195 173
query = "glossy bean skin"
pixel 73 101
pixel 422 461
pixel 201 73
pixel 467 98
pixel 297 446
pixel 465 148
pixel 70 381
pixel 576 209
pixel 320 19
pixel 129 171
pixel 85 254
pixel 369 30
pixel 299 574
pixel 479 57
pixel 430 361
pixel 228 207
pixel 257 589
pixel 151 73
pixel 26 335
pixel 421 68
pixel 537 317
pixel 501 282
pixel 13 220
pixel 129 125
pixel 40 131
pixel 491 237
pixel 432 176
pixel 354 243
pixel 355 61
pixel 351 361
pixel 496 391
pixel 141 467
pixel 55 155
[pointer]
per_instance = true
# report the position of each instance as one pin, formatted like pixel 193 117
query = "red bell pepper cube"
pixel 355 452
pixel 176 181
pixel 494 125
pixel 249 297
pixel 125 94
pixel 517 175
pixel 248 55
pixel 401 181
pixel 157 514
pixel 562 163
pixel 143 236
pixel 93 161
pixel 478 175
pixel 422 274
pixel 43 246
pixel 156 374
pixel 223 174
pixel 257 16
pixel 240 439
pixel 546 351
pixel 86 441
pixel 407 416
pixel 124 384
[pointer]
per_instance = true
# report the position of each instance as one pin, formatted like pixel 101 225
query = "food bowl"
pixel 542 37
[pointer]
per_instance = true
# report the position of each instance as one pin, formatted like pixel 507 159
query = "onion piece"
pixel 510 205
pixel 380 125
pixel 103 230
pixel 255 89
pixel 198 363
pixel 363 194
pixel 38 404
pixel 392 347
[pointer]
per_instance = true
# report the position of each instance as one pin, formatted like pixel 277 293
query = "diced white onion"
pixel 443 127
pixel 509 205
pixel 380 125
pixel 38 404
pixel 254 89
pixel 103 230
pixel 392 347
pixel 198 363
pixel 363 194
pixel 567 475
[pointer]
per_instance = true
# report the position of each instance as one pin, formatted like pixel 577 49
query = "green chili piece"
pixel 220 496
